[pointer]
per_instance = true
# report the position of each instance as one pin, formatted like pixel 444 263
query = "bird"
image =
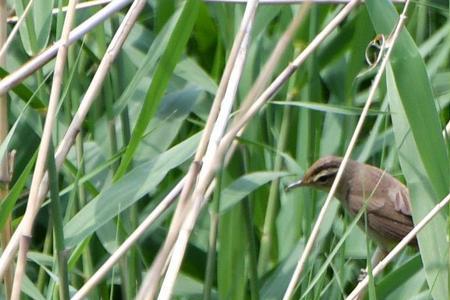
pixel 385 199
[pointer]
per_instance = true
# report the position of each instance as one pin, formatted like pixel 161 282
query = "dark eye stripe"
pixel 325 178
pixel 324 175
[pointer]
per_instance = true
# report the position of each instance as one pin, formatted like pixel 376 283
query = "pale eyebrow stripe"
pixel 325 172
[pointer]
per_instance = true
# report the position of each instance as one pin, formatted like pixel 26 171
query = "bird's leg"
pixel 377 256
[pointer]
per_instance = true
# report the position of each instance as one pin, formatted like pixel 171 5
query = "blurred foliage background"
pixel 261 229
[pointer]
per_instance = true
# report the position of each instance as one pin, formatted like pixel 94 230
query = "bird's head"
pixel 320 175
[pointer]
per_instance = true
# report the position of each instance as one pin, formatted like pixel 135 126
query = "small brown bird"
pixel 388 206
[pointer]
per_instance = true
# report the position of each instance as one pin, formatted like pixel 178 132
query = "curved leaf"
pixel 114 199
pixel 244 185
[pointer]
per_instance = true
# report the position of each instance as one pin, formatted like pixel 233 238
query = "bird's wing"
pixel 388 207
pixel 401 201
pixel 389 228
pixel 389 217
pixel 387 200
pixel 389 192
pixel 397 198
pixel 395 209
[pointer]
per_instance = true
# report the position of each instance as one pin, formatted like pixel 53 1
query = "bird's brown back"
pixel 388 205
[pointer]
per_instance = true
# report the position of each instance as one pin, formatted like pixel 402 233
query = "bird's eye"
pixel 325 178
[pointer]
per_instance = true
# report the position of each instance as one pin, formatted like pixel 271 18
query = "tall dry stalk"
pixel 34 202
pixel 28 68
pixel 151 281
pixel 5 166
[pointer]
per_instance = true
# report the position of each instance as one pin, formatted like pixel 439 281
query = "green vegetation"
pixel 143 130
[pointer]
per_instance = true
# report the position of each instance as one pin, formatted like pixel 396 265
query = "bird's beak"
pixel 294 185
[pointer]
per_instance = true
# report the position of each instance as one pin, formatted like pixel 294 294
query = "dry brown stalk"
pixel 153 276
pixel 5 163
pixel 16 77
pixel 34 202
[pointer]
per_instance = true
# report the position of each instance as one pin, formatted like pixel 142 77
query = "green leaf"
pixel 190 71
pixel 404 282
pixel 160 80
pixel 26 94
pixel 329 108
pixel 243 186
pixel 7 204
pixel 417 98
pixel 167 123
pixel 148 63
pixel 132 187
pixel 275 285
pixel 4 144
pixel 433 248
pixel 36 32
pixel 30 289
pixel 231 282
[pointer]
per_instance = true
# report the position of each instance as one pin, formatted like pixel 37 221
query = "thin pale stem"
pixel 209 162
pixel 20 268
pixel 14 31
pixel 216 136
pixel 5 163
pixel 155 272
pixel 128 243
pixel 39 171
pixel 84 5
pixel 272 63
pixel 45 56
